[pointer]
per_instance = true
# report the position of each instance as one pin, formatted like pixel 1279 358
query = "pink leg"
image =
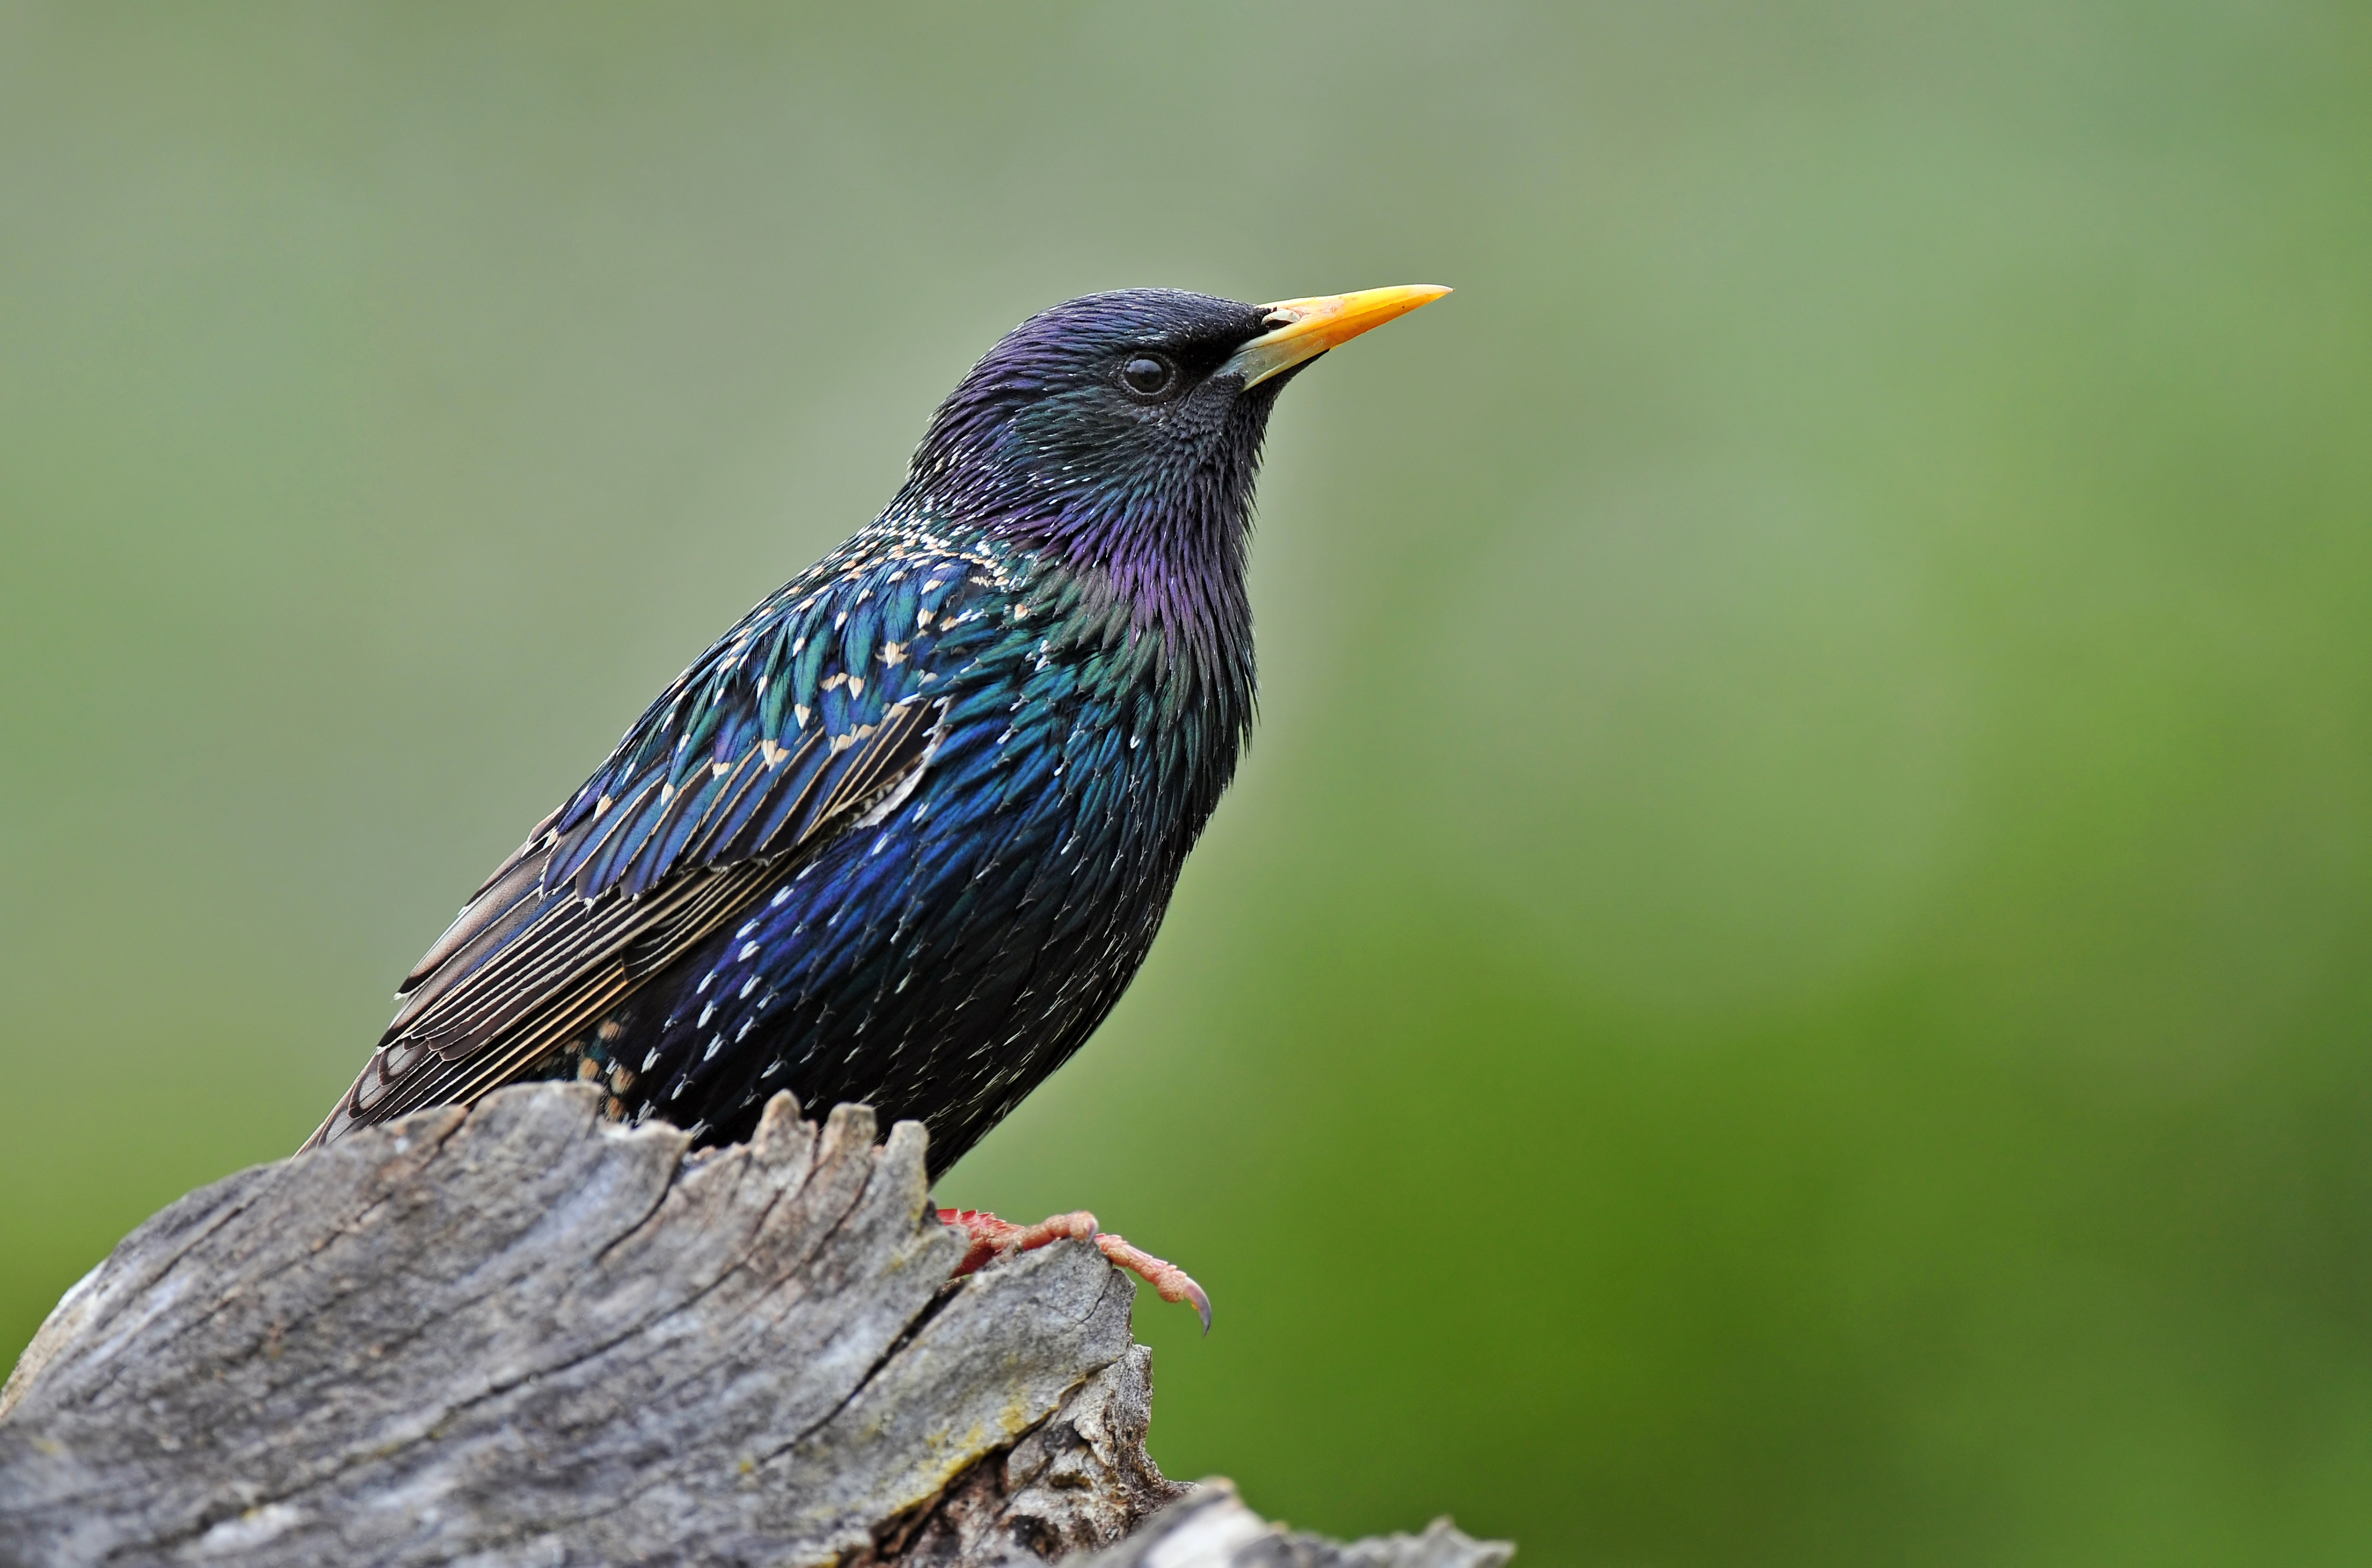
pixel 993 1238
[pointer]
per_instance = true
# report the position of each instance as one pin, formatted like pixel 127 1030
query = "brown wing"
pixel 530 964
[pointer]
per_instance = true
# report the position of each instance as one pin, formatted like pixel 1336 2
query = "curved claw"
pixel 1168 1281
pixel 992 1239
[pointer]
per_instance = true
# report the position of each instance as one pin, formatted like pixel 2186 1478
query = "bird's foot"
pixel 993 1238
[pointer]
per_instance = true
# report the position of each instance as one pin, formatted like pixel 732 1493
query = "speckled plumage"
pixel 905 833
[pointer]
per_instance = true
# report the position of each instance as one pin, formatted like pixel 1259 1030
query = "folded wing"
pixel 817 712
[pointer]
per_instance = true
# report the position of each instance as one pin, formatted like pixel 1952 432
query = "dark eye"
pixel 1146 375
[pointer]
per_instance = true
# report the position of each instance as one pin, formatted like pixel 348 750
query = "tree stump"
pixel 521 1334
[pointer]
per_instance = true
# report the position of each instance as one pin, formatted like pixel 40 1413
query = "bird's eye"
pixel 1146 375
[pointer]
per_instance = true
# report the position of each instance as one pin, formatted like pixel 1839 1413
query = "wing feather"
pixel 785 735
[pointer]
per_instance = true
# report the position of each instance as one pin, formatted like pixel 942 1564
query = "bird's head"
pixel 1121 433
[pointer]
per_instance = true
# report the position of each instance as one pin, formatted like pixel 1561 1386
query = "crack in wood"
pixel 519 1334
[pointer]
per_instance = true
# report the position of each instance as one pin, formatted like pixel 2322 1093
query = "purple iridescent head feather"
pixel 1046 443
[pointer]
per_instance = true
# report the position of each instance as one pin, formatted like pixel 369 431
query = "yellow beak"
pixel 1307 328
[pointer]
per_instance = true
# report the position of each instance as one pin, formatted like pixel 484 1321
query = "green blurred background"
pixel 1786 981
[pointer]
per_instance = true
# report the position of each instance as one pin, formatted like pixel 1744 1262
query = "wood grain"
pixel 520 1334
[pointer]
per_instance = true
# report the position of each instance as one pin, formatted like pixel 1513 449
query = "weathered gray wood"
pixel 520 1334
pixel 1212 1528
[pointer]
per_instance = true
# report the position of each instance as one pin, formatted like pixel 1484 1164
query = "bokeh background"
pixel 1787 981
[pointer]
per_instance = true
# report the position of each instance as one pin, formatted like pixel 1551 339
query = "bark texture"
pixel 1212 1528
pixel 520 1334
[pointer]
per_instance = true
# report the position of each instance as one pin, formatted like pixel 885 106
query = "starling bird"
pixel 904 834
